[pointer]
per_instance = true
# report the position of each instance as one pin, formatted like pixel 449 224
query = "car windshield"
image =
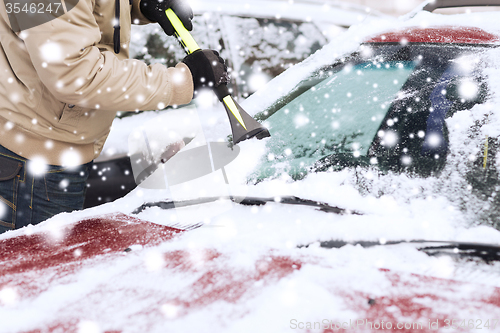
pixel 357 111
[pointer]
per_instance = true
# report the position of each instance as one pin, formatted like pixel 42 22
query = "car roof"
pixel 443 34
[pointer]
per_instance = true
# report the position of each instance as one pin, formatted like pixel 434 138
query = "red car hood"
pixel 96 272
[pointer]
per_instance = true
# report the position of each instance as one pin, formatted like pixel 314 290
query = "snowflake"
pixel 37 166
pixel 70 158
pixel 468 89
pixel 51 52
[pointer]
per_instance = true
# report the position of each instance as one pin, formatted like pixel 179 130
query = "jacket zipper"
pixel 116 28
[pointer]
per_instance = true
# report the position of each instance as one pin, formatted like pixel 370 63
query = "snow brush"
pixel 243 126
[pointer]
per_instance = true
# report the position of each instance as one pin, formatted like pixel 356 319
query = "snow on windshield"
pixel 341 114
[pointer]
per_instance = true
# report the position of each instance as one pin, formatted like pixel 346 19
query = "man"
pixel 62 78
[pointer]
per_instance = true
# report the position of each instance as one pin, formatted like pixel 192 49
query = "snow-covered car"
pixel 372 206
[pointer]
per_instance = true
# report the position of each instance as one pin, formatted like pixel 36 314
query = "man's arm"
pixel 136 14
pixel 75 71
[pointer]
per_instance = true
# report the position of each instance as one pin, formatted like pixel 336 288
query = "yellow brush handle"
pixel 182 33
pixel 190 46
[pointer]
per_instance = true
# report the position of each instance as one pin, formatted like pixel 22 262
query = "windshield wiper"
pixel 486 252
pixel 247 201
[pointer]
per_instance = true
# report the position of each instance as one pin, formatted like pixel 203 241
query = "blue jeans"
pixel 27 198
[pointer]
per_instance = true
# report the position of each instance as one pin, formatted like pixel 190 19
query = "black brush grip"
pixel 221 91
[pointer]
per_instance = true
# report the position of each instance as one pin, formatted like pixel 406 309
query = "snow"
pixel 37 166
pixel 349 41
pixel 397 202
pixel 70 159
pixel 51 52
pixel 136 292
pixel 341 13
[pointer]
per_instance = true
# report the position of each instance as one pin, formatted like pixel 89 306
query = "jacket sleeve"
pixel 71 66
pixel 136 14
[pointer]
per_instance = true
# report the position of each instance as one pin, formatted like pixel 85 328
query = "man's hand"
pixel 207 68
pixel 154 10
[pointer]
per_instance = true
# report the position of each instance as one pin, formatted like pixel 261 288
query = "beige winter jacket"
pixel 61 83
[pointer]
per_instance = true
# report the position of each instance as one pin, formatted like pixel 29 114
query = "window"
pixel 387 109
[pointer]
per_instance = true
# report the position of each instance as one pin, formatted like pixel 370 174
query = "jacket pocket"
pixel 71 115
